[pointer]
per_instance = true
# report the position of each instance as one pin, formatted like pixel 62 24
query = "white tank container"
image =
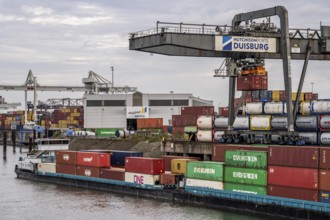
pixel 204 183
pixel 221 122
pixel 309 137
pixel 275 138
pixel 140 178
pixel 272 108
pixel 242 123
pixel 306 123
pixel 305 108
pixel 325 122
pixel 253 108
pixel 325 138
pixel 279 123
pixel 320 107
pixel 260 122
pixel 122 133
pixel 218 135
pixel 204 135
pixel 205 122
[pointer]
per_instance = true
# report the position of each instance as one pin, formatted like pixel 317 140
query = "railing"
pixel 187 28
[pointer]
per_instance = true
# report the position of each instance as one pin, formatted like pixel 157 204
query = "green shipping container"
pixel 190 129
pixel 105 132
pixel 243 188
pixel 205 170
pixel 246 176
pixel 247 159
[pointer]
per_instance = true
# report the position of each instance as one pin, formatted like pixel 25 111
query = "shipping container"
pixel 170 178
pixel 218 135
pixel 88 171
pixel 66 157
pixel 204 184
pixel 253 108
pixel 295 156
pixel 325 122
pixel 66 169
pixel 248 176
pixel 113 174
pixel 221 123
pixel 141 178
pixel 311 138
pixel 190 129
pixel 47 167
pixel 308 96
pixel 324 181
pixel 301 98
pixel 177 131
pixel 293 192
pixel 252 82
pixel 306 123
pixel 320 107
pixel 260 122
pixel 105 132
pixel 223 111
pixel 179 165
pixel 205 122
pixel 93 159
pixel 197 110
pixel 184 120
pixel 244 188
pixel 246 159
pixel 168 160
pixel 325 138
pixel 152 166
pixel 241 123
pixel 117 157
pixel 324 197
pixel 305 108
pixel 219 150
pixel 205 170
pixel 306 178
pixel 146 123
pixel 276 95
pixel 204 135
pixel 275 108
pixel 324 158
pixel 279 123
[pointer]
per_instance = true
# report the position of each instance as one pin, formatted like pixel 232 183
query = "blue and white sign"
pixel 245 44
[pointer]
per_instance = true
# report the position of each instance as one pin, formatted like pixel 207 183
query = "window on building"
pixel 137 99
pixel 114 102
pixel 181 102
pixel 94 103
pixel 160 103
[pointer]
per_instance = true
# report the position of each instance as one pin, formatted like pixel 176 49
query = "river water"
pixel 23 199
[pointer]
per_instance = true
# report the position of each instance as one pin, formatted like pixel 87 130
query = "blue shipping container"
pixel 324 197
pixel 117 158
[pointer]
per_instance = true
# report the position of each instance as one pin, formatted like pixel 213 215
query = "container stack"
pixel 66 162
pixel 90 163
pixel 68 117
pixel 324 175
pixel 150 125
pixel 246 171
pixel 204 174
pixel 205 128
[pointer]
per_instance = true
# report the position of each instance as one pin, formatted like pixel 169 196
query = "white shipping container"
pixel 221 122
pixel 309 137
pixel 47 167
pixel 141 178
pixel 218 135
pixel 279 123
pixel 307 123
pixel 305 108
pixel 320 107
pixel 253 108
pixel 205 135
pixel 274 108
pixel 260 122
pixel 204 183
pixel 242 123
pixel 325 122
pixel 205 122
pixel 325 138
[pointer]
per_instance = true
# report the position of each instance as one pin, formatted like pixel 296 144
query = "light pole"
pixel 112 68
pixel 312 86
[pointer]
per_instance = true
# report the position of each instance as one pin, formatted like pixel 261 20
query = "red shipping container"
pixel 144 165
pixel 315 96
pixel 66 169
pixel 295 156
pixel 223 111
pixel 308 96
pixel 197 110
pixel 324 180
pixel 252 82
pixel 324 157
pixel 184 120
pixel 146 123
pixel 282 96
pixel 113 174
pixel 66 157
pixel 293 177
pixel 324 123
pixel 170 178
pixel 293 193
pixel 219 150
pixel 92 159
pixel 168 160
pixel 88 171
pixel 178 130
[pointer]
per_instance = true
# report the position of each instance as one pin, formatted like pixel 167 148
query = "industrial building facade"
pixel 122 110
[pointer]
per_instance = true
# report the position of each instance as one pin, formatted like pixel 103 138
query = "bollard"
pixel 30 144
pixel 5 145
pixel 13 139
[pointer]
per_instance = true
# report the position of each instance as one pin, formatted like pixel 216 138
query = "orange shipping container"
pixel 145 123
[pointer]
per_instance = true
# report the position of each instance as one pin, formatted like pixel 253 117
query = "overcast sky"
pixel 60 41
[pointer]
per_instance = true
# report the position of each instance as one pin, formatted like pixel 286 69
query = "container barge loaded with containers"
pixel 236 179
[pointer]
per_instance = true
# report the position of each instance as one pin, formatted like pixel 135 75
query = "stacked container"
pixel 205 128
pixel 66 162
pixel 205 174
pixel 90 163
pixel 246 171
pixel 293 172
pixel 324 175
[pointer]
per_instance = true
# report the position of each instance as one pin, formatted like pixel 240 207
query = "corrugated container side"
pixel 306 178
pixel 324 183
pixel 145 123
pixel 168 160
pixel 184 120
pixel 66 169
pixel 324 157
pixel 152 166
pixel 324 197
pixel 205 170
pixel 293 193
pixel 66 157
pixel 92 159
pixel 246 176
pixel 141 178
pixel 247 159
pixel 244 188
pixel 178 130
pixel 179 165
pixel 297 156
pixel 170 178
pixel 204 183
pixel 88 171
pixel 224 111
pixel 113 174
pixel 197 110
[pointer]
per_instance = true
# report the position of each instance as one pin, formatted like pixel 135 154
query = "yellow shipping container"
pixel 42 122
pixel 179 165
pixel 276 95
pixel 76 114
pixel 75 110
pixel 67 110
pixel 294 96
pixel 260 122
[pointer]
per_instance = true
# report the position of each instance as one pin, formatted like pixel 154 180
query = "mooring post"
pixel 5 145
pixel 13 139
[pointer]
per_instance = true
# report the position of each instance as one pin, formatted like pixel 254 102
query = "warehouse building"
pixel 123 110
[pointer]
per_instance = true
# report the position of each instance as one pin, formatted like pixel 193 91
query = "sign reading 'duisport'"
pixel 245 44
pixel 137 112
